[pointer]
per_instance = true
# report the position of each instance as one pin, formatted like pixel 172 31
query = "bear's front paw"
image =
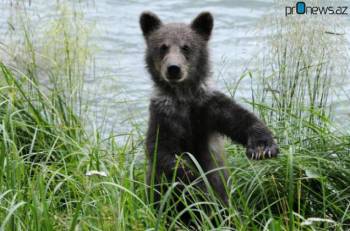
pixel 262 151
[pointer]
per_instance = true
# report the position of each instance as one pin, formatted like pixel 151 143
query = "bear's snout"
pixel 174 72
pixel 174 67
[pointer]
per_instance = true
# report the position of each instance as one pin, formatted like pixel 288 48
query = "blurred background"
pixel 109 48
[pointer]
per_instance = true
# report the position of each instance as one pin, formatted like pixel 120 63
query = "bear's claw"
pixel 261 152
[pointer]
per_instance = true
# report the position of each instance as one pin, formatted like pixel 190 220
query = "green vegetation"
pixel 48 157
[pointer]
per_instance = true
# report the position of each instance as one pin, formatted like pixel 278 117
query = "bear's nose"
pixel 174 71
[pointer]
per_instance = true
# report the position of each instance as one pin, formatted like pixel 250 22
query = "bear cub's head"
pixel 176 52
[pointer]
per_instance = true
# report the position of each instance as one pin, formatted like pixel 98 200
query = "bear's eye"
pixel 163 48
pixel 186 48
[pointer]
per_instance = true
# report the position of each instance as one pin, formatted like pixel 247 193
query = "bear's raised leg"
pixel 242 126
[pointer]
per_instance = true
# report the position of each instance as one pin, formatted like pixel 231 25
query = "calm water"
pixel 119 90
pixel 233 44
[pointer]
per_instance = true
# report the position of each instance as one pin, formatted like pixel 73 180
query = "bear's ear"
pixel 149 22
pixel 203 24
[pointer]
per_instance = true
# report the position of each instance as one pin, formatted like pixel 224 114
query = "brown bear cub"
pixel 186 114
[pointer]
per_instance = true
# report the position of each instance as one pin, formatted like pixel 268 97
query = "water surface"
pixel 118 91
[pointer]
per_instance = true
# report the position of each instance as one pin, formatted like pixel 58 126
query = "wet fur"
pixel 188 116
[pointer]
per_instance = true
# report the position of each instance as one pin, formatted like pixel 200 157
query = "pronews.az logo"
pixel 301 8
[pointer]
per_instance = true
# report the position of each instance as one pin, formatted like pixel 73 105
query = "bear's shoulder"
pixel 162 103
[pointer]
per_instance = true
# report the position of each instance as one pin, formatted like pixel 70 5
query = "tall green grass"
pixel 56 175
